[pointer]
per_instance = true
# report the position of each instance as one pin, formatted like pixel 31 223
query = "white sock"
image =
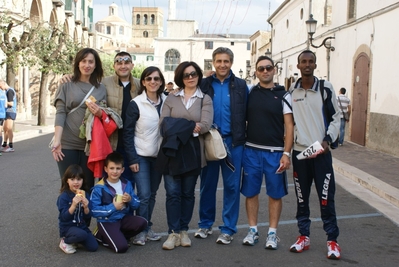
pixel 254 227
pixel 272 230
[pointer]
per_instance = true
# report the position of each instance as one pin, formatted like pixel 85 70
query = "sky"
pixel 213 16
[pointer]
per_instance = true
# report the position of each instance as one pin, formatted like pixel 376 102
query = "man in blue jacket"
pixel 229 95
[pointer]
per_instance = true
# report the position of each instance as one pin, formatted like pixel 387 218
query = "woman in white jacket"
pixel 142 140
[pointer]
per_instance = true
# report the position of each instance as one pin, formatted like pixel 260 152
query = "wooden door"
pixel 360 99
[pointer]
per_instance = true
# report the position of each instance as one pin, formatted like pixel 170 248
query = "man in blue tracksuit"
pixel 317 118
pixel 229 95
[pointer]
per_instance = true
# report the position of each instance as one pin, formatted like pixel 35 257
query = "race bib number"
pixel 311 151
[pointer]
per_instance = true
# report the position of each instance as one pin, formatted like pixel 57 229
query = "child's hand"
pixel 85 202
pixel 126 198
pixel 77 199
pixel 118 205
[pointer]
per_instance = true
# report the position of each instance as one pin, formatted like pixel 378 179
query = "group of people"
pixel 8 114
pixel 162 136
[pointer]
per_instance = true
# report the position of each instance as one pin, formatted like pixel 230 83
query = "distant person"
pixel 69 101
pixel 270 133
pixel 229 94
pixel 142 139
pixel 73 205
pixel 169 88
pixel 11 115
pixel 186 115
pixel 311 125
pixel 3 103
pixel 344 104
pixel 112 203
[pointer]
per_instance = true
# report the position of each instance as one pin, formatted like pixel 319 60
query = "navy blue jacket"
pixel 238 105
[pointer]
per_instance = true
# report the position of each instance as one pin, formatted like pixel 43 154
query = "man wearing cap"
pixel 169 88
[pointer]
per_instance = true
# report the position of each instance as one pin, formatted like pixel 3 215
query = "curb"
pixel 373 184
pixel 21 135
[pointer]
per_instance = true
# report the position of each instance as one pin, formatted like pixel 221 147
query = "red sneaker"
pixel 334 251
pixel 302 243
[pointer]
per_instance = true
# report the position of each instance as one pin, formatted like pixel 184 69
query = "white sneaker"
pixel 67 248
pixel 252 238
pixel 203 233
pixel 333 250
pixel 7 150
pixel 271 241
pixel 224 239
pixel 184 239
pixel 172 241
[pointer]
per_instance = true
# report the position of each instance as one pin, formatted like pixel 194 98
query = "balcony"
pixel 58 3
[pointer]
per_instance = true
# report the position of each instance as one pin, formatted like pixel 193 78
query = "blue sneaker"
pixel 252 238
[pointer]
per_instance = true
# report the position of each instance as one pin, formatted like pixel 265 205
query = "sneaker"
pixel 3 148
pixel 10 149
pixel 139 239
pixel 224 239
pixel 252 238
pixel 67 248
pixel 172 241
pixel 152 236
pixel 334 251
pixel 0 153
pixel 303 243
pixel 184 239
pixel 271 241
pixel 203 233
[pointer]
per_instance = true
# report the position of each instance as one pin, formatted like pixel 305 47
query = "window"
pixel 232 43
pixel 145 34
pixel 138 19
pixel 121 30
pixel 150 58
pixel 152 19
pixel 301 14
pixel 145 20
pixel 108 29
pixel 208 44
pixel 172 59
pixel 248 46
pixel 351 9
pixel 133 57
pixel 207 64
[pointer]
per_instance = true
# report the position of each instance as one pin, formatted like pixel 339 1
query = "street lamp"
pixel 240 72
pixel 248 70
pixel 268 53
pixel 311 27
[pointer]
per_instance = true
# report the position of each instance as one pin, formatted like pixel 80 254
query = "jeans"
pixel 342 131
pixel 147 183
pixel 180 200
pixel 231 191
pixel 81 236
pixel 127 173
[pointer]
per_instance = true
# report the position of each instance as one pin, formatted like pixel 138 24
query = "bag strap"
pixel 84 99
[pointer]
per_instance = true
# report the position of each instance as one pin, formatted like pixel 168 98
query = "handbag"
pixel 214 145
pixel 213 142
pixel 50 145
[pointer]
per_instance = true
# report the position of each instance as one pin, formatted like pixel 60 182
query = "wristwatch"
pixel 288 154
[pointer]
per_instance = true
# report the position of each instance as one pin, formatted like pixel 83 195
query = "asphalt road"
pixel 29 228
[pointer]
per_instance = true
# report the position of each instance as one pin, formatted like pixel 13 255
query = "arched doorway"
pixel 360 99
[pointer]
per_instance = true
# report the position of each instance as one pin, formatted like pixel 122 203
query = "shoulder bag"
pixel 213 142
pixel 50 145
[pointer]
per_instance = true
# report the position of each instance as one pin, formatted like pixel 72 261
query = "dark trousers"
pixel 116 235
pixel 320 171
pixel 80 236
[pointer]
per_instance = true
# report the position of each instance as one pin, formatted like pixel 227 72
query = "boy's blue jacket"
pixel 67 220
pixel 101 201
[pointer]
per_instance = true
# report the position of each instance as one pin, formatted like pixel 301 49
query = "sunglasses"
pixel 121 59
pixel 193 74
pixel 148 79
pixel 263 68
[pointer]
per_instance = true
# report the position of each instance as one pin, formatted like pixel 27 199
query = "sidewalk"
pixel 376 171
